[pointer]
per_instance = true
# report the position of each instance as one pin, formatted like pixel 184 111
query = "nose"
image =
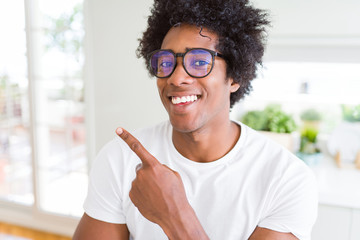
pixel 179 76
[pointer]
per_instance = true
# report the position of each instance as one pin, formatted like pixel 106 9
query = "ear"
pixel 234 86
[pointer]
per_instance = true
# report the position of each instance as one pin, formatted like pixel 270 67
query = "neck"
pixel 207 145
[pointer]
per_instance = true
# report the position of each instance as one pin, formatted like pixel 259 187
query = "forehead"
pixel 184 36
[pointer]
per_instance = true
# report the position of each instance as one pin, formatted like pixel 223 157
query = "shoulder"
pixel 291 185
pixel 273 159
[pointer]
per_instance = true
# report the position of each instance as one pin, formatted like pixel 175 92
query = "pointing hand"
pixel 157 191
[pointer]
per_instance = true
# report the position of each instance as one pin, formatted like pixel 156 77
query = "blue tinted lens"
pixel 198 62
pixel 162 63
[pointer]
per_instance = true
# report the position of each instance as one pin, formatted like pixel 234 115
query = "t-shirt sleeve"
pixel 294 204
pixel 104 198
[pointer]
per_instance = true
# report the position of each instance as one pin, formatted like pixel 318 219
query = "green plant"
pixel 310 115
pixel 351 113
pixel 308 143
pixel 255 119
pixel 272 119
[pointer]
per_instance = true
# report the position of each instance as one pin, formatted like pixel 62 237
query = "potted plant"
pixel 309 151
pixel 274 123
pixel 311 118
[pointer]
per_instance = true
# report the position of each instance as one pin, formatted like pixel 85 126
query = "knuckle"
pixel 135 146
pixel 141 175
pixel 125 135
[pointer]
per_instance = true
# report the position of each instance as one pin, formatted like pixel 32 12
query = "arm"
pixel 267 234
pixel 159 194
pixel 92 229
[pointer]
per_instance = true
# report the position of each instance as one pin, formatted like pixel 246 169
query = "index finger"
pixel 134 144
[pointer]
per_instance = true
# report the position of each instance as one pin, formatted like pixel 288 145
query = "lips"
pixel 183 99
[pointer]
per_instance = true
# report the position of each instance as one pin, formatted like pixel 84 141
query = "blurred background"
pixel 69 76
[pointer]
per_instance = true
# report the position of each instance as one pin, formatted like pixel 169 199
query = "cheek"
pixel 158 83
pixel 160 87
pixel 219 91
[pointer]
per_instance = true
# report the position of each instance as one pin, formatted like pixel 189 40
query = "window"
pixel 43 160
pixel 15 138
pixel 59 107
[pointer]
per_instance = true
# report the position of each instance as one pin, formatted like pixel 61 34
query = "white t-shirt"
pixel 258 183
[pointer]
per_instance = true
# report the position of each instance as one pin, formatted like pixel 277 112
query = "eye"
pixel 165 64
pixel 199 63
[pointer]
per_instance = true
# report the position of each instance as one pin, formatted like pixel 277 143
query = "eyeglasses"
pixel 197 62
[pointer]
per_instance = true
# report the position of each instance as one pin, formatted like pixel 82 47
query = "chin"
pixel 185 126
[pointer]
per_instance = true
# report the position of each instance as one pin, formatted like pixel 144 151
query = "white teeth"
pixel 184 99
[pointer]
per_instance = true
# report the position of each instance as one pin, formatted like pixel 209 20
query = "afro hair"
pixel 239 26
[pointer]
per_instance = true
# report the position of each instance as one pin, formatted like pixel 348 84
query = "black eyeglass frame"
pixel 176 55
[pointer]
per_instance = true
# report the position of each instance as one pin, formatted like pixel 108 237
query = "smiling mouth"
pixel 184 99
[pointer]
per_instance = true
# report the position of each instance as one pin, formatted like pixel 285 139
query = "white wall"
pixel 337 223
pixel 119 90
pixel 313 30
pixel 313 18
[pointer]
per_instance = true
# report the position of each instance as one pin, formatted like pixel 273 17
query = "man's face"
pixel 208 101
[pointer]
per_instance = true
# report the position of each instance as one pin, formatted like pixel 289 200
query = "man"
pixel 199 175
